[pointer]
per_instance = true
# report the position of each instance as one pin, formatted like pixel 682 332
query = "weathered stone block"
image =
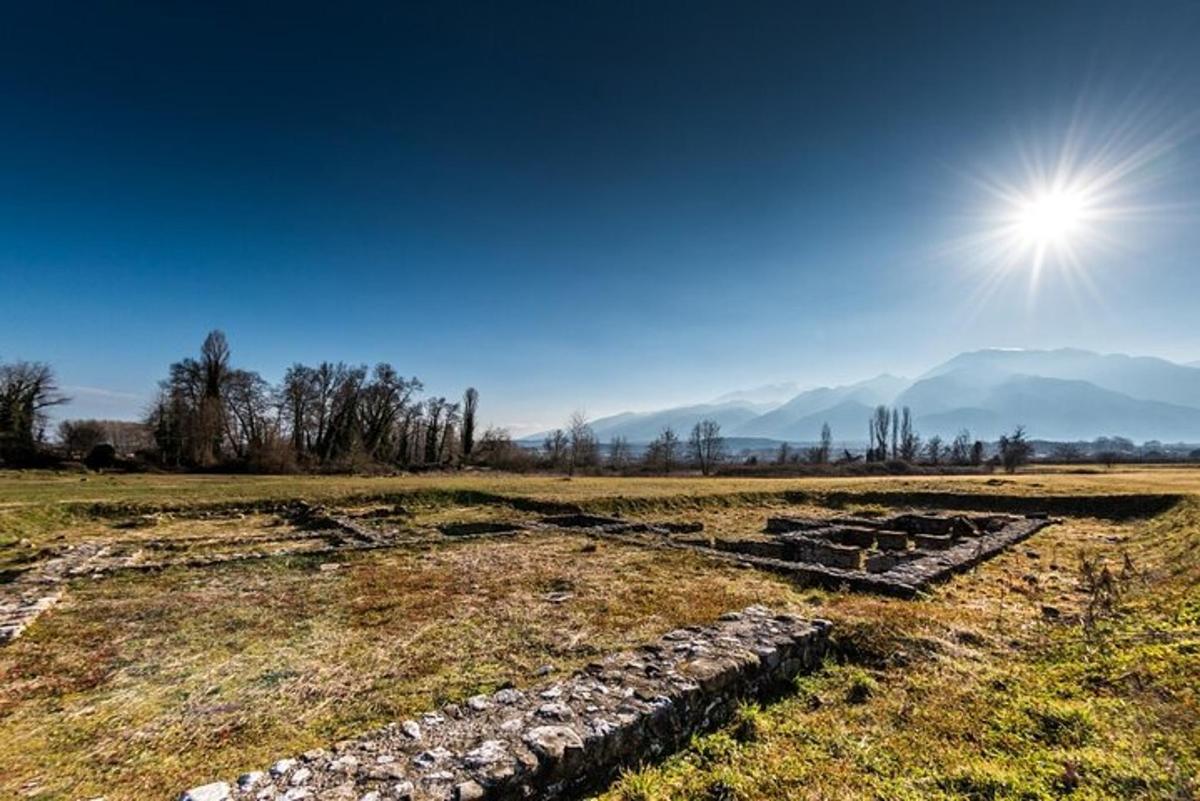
pixel 770 550
pixel 217 791
pixel 932 542
pixel 920 524
pixel 479 528
pixel 583 521
pixel 847 557
pixel 891 540
pixel 780 525
pixel 859 536
pixel 881 561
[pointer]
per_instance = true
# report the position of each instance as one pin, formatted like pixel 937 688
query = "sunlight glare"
pixel 1062 207
pixel 1051 218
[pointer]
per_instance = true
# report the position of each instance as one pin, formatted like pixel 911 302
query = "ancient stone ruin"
pixel 319 532
pixel 897 555
pixel 559 740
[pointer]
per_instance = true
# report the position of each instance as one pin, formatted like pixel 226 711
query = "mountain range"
pixel 1064 394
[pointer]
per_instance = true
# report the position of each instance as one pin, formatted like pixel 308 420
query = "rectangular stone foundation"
pixel 560 740
pixel 892 568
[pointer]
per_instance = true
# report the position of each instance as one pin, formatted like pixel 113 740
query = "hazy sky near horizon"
pixel 599 205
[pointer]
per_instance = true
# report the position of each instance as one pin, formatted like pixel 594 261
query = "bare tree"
pixel 215 373
pixel 1068 452
pixel 78 437
pixel 298 398
pixel 618 453
pixel 190 417
pixel 27 390
pixel 126 436
pixel 933 450
pixel 328 380
pixel 434 409
pixel 497 449
pixel 342 416
pixel 707 445
pixel 826 443
pixel 960 448
pixel 910 443
pixel 895 433
pixel 555 447
pixel 449 441
pixel 248 405
pixel 880 425
pixel 381 404
pixel 663 452
pixel 470 407
pixel 1015 449
pixel 581 447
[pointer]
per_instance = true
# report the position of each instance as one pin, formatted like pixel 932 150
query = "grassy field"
pixel 138 685
pixel 975 694
pixel 37 487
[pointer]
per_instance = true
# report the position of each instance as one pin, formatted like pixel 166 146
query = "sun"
pixel 1060 211
pixel 1055 220
pixel 1052 218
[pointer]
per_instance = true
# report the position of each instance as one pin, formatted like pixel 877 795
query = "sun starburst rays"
pixel 1062 212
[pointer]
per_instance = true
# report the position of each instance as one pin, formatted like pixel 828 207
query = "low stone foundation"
pixel 898 555
pixel 320 533
pixel 560 740
pixel 20 609
pixel 617 525
pixel 475 529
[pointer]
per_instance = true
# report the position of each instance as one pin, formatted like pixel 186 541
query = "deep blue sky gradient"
pixel 600 205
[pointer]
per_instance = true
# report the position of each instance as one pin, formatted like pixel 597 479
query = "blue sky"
pixel 598 205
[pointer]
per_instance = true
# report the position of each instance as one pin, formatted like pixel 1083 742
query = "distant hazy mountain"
pixel 845 407
pixel 1056 394
pixel 1143 377
pixel 768 395
pixel 1053 408
pixel 645 426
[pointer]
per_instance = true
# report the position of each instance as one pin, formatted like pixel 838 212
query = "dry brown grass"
pixel 141 685
pixel 21 488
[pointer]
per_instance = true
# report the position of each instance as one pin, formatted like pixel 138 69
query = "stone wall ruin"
pixel 320 532
pixel 559 740
pixel 898 555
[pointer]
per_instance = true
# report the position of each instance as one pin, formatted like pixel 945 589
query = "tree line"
pixel 892 437
pixel 576 447
pixel 209 413
pixel 891 434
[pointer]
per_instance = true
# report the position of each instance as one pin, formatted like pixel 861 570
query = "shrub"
pixel 101 457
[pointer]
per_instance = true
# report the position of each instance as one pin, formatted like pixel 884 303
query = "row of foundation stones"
pixel 896 555
pixel 39 588
pixel 900 555
pixel 36 590
pixel 558 740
